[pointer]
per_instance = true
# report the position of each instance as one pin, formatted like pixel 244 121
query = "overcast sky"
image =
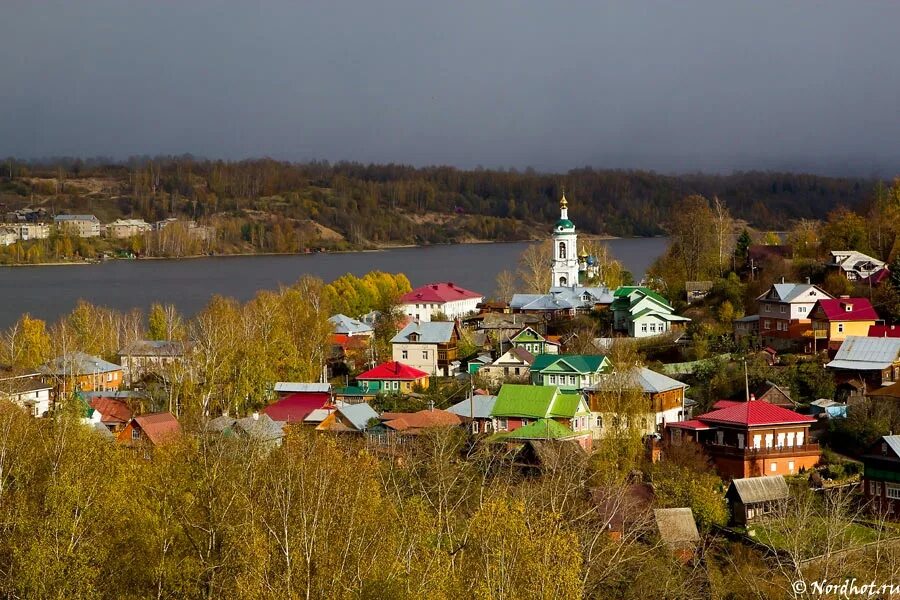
pixel 671 86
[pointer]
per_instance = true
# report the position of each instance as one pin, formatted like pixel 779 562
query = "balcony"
pixel 811 449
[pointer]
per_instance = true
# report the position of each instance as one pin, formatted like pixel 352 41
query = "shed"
pixel 752 498
pixel 677 528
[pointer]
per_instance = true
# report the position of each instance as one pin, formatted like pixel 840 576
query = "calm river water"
pixel 51 291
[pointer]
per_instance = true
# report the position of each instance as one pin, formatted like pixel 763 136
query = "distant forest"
pixel 386 204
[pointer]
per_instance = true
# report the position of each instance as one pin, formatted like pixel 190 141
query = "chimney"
pixel 255 416
pixel 807 281
pixel 752 397
pixel 782 280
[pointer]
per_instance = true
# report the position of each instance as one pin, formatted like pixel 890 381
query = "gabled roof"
pixel 345 325
pixel 392 370
pixel 751 490
pixel 693 425
pixel 438 293
pixel 581 363
pixel 893 442
pixel 547 302
pixel 866 353
pixel 359 415
pixel 482 405
pixel 542 429
pixel 78 363
pixel 432 332
pixel 519 400
pixel 788 292
pixel 111 410
pixel 516 352
pixel 261 428
pixel 423 419
pixel 846 309
pixel 295 407
pixel 159 427
pixel 294 387
pixel 649 381
pixel 91 218
pixel 754 413
pixel 851 260
pixel 676 526
pixel 628 291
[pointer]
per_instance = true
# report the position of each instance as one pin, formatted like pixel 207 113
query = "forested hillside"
pixel 384 204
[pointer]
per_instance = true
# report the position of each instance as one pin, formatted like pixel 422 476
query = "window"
pixel 774 467
pixel 644 327
pixel 571 380
pixel 768 307
pixel 873 488
pixel 109 377
pixel 740 437
pixel 552 379
pixel 769 438
pixel 425 354
pixel 779 443
pixel 474 426
pixel 599 422
pixel 563 282
pixel 767 324
pixel 720 437
pixel 892 491
pixel 502 424
pixel 562 249
pixel 396 385
pixel 517 371
pixel 135 433
pixel 791 466
pixel 799 438
pixel 783 309
pixel 840 328
pixel 757 440
pixel 790 439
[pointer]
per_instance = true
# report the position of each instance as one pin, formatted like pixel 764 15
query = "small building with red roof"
pixel 392 376
pixel 294 408
pixel 751 439
pixel 150 430
pixel 833 319
pixel 440 298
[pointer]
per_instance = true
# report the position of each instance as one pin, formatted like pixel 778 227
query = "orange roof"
pixel 424 419
pixel 112 410
pixel 159 427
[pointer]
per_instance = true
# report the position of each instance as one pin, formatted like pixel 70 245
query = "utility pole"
pixel 746 382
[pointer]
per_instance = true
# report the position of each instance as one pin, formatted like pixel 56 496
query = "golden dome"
pixel 563 203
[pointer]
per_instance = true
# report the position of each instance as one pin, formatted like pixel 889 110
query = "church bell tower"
pixel 565 254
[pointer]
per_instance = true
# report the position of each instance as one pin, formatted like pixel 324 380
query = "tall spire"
pixel 563 207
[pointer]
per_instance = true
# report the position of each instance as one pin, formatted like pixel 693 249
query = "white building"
pixel 429 347
pixel 28 392
pixel 126 228
pixel 447 298
pixel 81 225
pixel 565 254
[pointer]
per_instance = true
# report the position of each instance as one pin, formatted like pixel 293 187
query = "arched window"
pixel 562 249
pixel 563 282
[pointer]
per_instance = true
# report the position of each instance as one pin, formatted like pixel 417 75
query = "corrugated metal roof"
pixel 482 405
pixel 358 414
pixel 293 387
pixel 346 325
pixel 860 352
pixel 432 332
pixel 760 489
pixel 894 442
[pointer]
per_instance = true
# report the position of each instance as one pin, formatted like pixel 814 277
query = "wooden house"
pixel 752 499
pixel 835 319
pixel 881 474
pixel 432 347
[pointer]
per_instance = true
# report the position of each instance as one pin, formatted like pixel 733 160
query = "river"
pixel 48 292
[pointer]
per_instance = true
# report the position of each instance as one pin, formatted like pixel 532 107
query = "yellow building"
pixel 836 318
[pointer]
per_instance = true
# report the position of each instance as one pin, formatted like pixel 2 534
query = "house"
pixel 33 231
pixel 27 391
pixel 432 347
pixel 477 411
pixel 697 290
pixel 678 531
pixel 750 439
pixel 393 377
pixel 144 357
pixel 751 499
pixel 864 364
pixel 746 327
pixel 351 418
pixel 153 429
pixel 881 474
pixel 855 265
pixel 126 228
pixel 344 325
pixel 773 394
pixel 520 405
pixel 835 318
pixel 474 364
pixel 260 428
pixel 562 301
pixel 532 341
pixel 400 425
pixel 353 394
pixel 884 331
pixel 77 371
pixel 8 236
pixel 512 365
pixel 112 412
pixel 448 299
pixel 294 408
pixel 641 312
pixel 664 399
pixel 85 226
pixel 289 388
pixel 542 430
pixel 785 312
pixel 569 371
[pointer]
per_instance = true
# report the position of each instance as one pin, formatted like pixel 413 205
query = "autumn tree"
pixel 534 268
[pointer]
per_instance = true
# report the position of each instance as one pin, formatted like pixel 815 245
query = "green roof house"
pixel 641 312
pixel 519 405
pixel 531 340
pixel 569 371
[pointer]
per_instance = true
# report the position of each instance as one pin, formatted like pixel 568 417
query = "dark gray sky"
pixel 672 86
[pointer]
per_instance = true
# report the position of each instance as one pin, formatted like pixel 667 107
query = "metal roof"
pixel 432 332
pixel 865 353
pixel 292 387
pixel 358 414
pixel 346 325
pixel 78 363
pixel 482 405
pixel 751 490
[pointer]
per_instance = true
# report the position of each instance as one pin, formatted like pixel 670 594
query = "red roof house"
pixel 833 319
pixel 751 439
pixel 152 429
pixel 114 413
pixel 448 298
pixel 293 408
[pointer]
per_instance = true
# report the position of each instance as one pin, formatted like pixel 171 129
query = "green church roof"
pixel 565 224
